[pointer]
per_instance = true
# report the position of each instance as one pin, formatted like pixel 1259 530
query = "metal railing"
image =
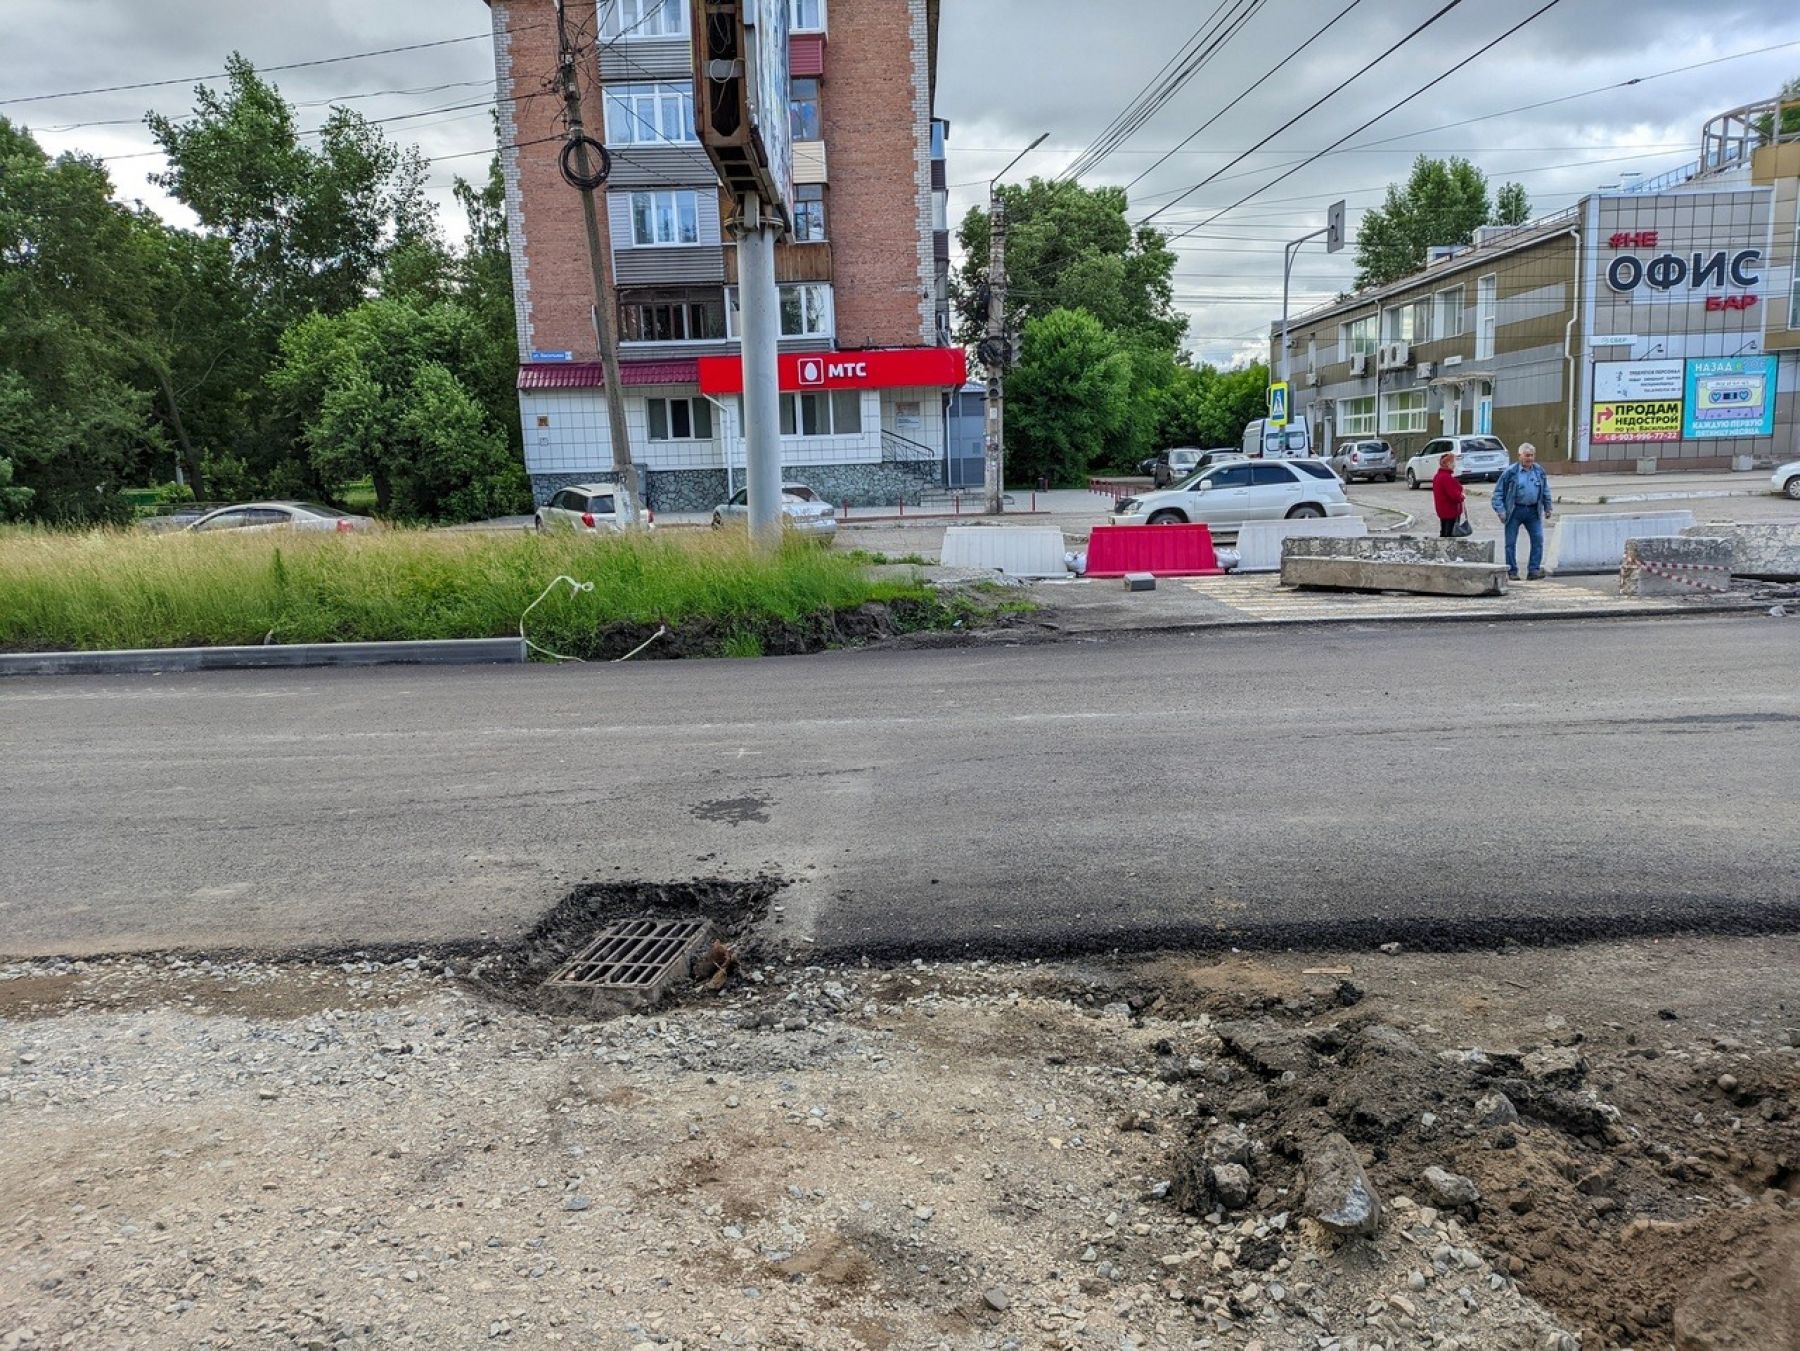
pixel 898 449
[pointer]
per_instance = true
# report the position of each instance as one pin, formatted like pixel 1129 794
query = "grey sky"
pixel 1012 68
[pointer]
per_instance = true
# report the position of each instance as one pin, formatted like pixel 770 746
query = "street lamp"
pixel 994 350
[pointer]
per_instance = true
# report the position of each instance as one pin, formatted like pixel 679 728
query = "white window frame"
pixel 1487 305
pixel 1414 417
pixel 827 401
pixel 634 299
pixel 824 308
pixel 796 12
pixel 626 123
pixel 1408 322
pixel 697 407
pixel 674 199
pixel 824 215
pixel 1450 312
pixel 632 20
pixel 1356 417
pixel 1352 344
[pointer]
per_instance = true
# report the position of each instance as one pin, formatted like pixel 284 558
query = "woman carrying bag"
pixel 1447 499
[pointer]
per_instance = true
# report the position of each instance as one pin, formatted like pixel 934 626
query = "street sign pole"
pixel 1334 240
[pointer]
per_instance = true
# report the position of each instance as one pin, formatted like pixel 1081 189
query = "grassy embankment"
pixel 719 596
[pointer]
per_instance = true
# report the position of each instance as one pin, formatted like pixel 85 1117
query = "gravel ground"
pixel 986 1155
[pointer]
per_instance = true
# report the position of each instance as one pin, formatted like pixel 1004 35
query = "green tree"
pixel 1070 247
pixel 13 500
pixel 1209 407
pixel 1443 201
pixel 314 229
pixel 1789 99
pixel 1511 205
pixel 75 306
pixel 380 391
pixel 1067 401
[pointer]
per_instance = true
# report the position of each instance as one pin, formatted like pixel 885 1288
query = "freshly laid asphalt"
pixel 1421 784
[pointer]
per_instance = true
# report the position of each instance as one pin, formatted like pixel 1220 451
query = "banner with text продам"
pixel 1648 420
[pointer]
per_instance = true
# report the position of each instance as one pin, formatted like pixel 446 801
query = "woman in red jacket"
pixel 1447 496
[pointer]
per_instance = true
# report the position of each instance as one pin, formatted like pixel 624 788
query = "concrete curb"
pixel 156 660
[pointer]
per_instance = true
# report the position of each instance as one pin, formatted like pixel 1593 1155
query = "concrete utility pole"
pixel 994 467
pixel 997 348
pixel 759 304
pixel 577 169
pixel 1334 241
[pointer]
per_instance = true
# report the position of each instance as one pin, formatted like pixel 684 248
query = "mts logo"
pixel 816 371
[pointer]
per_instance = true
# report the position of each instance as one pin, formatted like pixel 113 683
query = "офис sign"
pixel 1729 278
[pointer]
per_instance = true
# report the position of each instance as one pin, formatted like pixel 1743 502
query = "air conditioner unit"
pixel 1392 356
pixel 1359 363
pixel 1426 370
pixel 1310 379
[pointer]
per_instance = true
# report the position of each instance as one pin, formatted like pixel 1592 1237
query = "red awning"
pixel 590 375
pixel 884 368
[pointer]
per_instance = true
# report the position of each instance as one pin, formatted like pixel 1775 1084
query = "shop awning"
pixel 881 368
pixel 591 375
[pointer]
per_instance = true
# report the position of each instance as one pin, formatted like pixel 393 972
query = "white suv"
pixel 1228 494
pixel 587 507
pixel 1476 457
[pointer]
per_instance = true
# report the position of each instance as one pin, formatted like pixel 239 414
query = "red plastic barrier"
pixel 1165 550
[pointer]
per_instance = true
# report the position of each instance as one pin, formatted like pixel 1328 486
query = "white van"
pixel 1292 442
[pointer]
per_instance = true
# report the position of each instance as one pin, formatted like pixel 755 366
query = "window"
pixel 809 213
pixel 599 506
pixel 805 311
pixel 1314 468
pixel 665 218
pixel 803 108
pixel 806 16
pixel 650 114
pixel 1410 322
pixel 1487 297
pixel 679 419
pixel 1231 476
pixel 1356 417
pixel 1358 336
pixel 1271 476
pixel 1403 411
pixel 646 19
pixel 836 412
pixel 696 315
pixel 1794 302
pixel 1450 313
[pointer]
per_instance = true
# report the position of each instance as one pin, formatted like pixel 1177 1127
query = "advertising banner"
pixel 1638 381
pixel 1640 421
pixel 1729 396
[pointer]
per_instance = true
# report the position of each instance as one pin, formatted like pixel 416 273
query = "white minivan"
pixel 1263 442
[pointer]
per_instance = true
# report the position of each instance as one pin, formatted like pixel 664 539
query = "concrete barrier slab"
pixel 1769 551
pixel 1596 543
pixel 1420 578
pixel 1017 551
pixel 1394 548
pixel 1259 542
pixel 150 660
pixel 1675 565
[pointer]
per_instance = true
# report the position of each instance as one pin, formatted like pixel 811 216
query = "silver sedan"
pixel 802 511
pixel 279 516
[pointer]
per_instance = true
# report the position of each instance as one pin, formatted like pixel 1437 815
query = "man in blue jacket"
pixel 1522 498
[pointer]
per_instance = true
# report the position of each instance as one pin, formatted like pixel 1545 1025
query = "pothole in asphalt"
pixel 608 947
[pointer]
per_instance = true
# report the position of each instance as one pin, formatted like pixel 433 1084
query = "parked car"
pixel 280 516
pixel 1263 442
pixel 1227 494
pixel 588 507
pixel 1364 459
pixel 1484 457
pixel 1787 479
pixel 1172 465
pixel 802 510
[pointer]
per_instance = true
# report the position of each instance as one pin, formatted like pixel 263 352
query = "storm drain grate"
pixel 638 955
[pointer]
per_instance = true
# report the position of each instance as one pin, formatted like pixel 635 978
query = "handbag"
pixel 1462 529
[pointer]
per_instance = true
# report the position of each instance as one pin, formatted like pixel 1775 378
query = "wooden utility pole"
pixel 578 170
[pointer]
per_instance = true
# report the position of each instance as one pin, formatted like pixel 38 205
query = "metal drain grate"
pixel 637 955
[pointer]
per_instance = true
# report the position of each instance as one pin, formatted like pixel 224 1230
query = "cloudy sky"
pixel 1010 69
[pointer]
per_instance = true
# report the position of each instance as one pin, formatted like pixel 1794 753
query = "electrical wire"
pixel 1311 107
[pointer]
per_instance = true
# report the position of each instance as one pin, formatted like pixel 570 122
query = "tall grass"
pixel 119 588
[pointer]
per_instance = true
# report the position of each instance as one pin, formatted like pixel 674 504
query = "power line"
pixel 1231 103
pixel 1408 37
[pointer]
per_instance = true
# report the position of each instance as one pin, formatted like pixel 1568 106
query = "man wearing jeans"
pixel 1522 498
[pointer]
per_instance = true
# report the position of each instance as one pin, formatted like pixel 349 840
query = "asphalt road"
pixel 1419 783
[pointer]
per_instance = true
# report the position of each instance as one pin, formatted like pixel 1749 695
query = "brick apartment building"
pixel 867 368
pixel 1651 320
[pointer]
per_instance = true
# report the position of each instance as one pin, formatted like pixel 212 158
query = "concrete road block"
pixel 1597 543
pixel 1768 552
pixel 1675 565
pixel 1017 551
pixel 1140 581
pixel 1388 548
pixel 1420 578
pixel 1259 542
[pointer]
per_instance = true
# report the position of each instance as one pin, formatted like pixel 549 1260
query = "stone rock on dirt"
pixel 1557 1066
pixel 1495 1109
pixel 1338 1192
pixel 1231 1184
pixel 1451 1190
